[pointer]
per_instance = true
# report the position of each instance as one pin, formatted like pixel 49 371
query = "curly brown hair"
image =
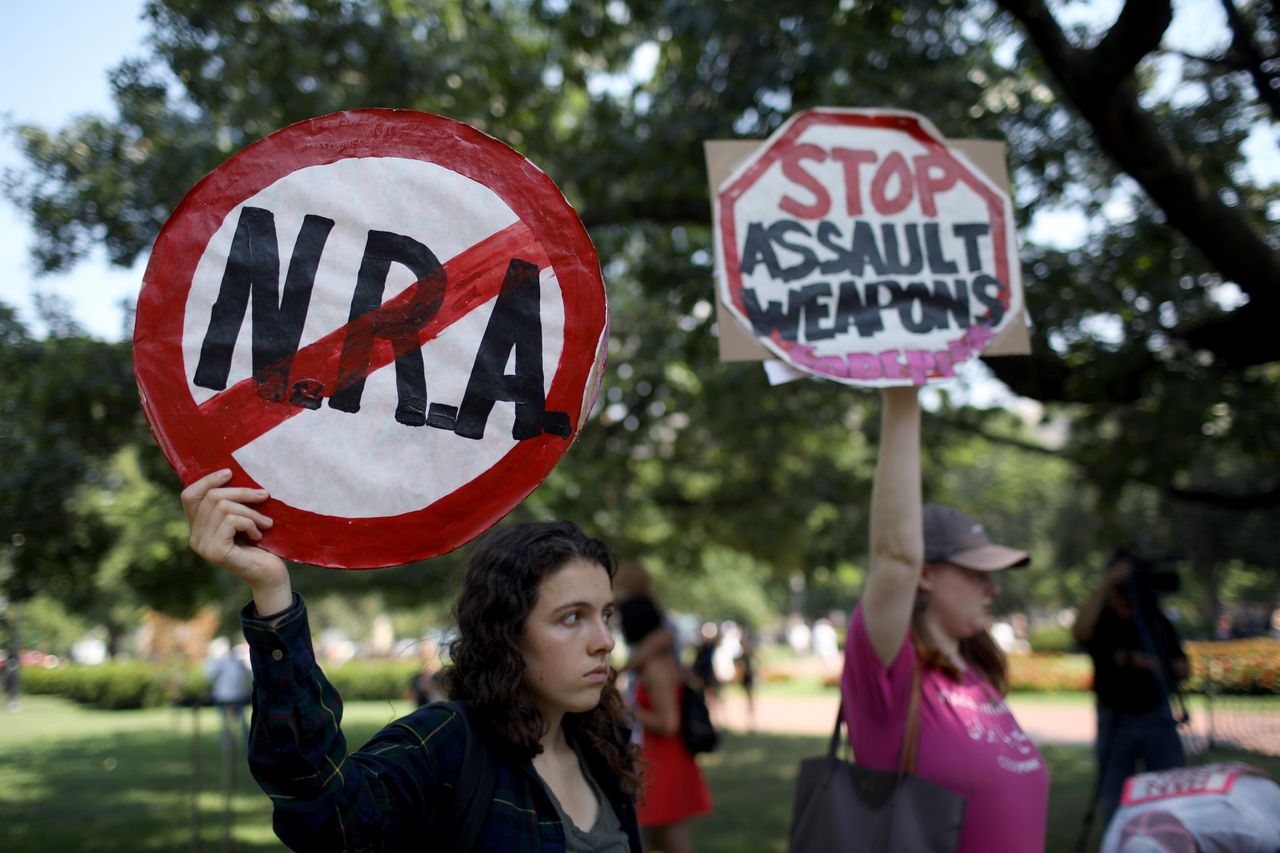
pixel 503 576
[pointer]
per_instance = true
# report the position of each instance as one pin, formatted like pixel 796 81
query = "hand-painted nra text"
pixel 252 275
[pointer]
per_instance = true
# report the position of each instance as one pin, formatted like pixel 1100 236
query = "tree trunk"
pixel 1204 564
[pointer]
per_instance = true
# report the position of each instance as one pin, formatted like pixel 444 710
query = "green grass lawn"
pixel 73 779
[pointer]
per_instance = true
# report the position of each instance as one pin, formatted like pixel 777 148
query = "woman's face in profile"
pixel 567 641
pixel 960 597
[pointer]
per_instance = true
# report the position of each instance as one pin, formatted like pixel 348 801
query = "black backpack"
pixel 696 730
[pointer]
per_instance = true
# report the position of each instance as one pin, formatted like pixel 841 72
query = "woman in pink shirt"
pixel 926 604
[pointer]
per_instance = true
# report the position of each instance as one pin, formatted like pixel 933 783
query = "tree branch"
pixel 1137 31
pixel 1226 62
pixel 1044 376
pixel 1250 58
pixel 1132 139
pixel 1257 500
pixel 961 425
pixel 672 211
pixel 1243 338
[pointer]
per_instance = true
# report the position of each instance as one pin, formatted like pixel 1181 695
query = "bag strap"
pixel 910 735
pixel 473 793
pixel 835 733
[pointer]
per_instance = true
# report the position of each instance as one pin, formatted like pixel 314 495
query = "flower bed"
pixel 1240 667
pixel 1237 667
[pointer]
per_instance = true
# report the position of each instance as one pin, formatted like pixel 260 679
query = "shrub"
pixel 1052 638
pixel 118 685
pixel 361 680
pixel 115 685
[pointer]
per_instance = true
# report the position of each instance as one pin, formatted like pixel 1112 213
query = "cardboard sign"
pixel 389 320
pixel 858 245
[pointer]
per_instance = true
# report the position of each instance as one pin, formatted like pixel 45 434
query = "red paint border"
pixel 194 450
pixel 766 156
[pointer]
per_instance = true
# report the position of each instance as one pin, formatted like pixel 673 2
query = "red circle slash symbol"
pixel 420 244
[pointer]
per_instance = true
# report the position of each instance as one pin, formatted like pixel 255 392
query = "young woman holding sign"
pixel 924 609
pixel 531 658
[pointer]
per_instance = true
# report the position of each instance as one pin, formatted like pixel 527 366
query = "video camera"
pixel 1147 576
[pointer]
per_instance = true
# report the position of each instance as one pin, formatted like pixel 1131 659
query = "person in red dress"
pixel 673 786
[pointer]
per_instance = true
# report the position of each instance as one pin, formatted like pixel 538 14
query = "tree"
pixel 1136 342
pixel 1198 199
pixel 60 412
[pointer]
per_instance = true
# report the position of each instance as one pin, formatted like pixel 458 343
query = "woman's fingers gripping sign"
pixel 224 526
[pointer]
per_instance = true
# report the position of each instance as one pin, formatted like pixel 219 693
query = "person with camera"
pixel 1138 662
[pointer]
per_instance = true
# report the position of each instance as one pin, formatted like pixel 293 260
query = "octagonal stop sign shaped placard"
pixel 392 322
pixel 858 246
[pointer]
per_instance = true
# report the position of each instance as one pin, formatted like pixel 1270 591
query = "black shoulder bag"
pixel 840 805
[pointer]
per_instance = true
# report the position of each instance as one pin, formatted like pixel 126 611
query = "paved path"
pixel 1043 720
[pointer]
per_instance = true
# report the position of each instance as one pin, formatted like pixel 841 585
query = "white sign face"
pixel 393 323
pixel 362 194
pixel 858 247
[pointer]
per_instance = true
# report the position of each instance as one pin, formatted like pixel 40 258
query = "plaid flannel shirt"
pixel 392 793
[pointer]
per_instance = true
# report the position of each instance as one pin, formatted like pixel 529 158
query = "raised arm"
pixel 1087 616
pixel 324 796
pixel 897 528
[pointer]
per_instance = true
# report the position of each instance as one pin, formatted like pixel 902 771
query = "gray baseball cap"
pixel 954 537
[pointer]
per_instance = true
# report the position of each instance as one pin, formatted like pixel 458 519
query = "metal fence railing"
pixel 1248 723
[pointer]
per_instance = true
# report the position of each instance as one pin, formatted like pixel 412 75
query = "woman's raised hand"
pixel 218 514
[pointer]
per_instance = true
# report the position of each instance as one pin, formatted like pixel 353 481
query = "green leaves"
pixel 614 101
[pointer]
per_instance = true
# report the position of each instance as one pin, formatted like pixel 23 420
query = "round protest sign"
pixel 857 246
pixel 392 322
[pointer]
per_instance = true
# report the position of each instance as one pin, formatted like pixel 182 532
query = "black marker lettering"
pixel 758 249
pixel 912 299
pixel 939 263
pixel 893 260
pixel 400 328
pixel 808 260
pixel 253 268
pixel 956 303
pixel 516 324
pixel 987 290
pixel 766 320
pixel 969 233
pixel 810 299
pixel 851 307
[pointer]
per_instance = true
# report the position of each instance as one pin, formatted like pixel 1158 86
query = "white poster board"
pixel 860 246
